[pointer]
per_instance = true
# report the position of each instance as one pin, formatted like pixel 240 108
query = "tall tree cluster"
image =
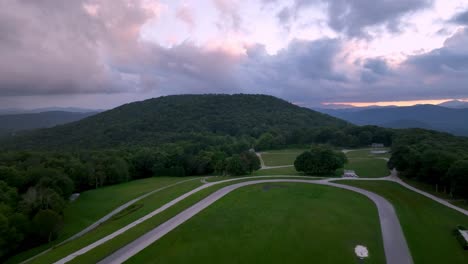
pixel 434 158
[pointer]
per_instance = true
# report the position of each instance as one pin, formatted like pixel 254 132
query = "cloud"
pixel 53 47
pixel 460 18
pixel 229 17
pixel 355 17
pixel 94 47
pixel 185 14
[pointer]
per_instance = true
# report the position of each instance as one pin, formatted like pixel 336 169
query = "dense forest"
pixel 209 119
pixel 180 136
pixel 435 158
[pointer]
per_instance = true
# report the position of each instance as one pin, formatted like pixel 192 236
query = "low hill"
pixel 12 123
pixel 177 118
pixel 434 117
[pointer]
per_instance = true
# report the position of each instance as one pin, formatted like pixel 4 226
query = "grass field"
pixel 368 167
pixel 364 163
pixel 281 157
pixel 155 201
pixel 150 203
pixel 94 204
pixel 427 224
pixel 274 223
pixel 277 171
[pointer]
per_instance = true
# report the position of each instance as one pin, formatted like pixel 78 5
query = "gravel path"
pixel 396 249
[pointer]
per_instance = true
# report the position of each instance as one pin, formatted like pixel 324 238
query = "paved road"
pixel 155 212
pixel 394 178
pixel 396 249
pixel 107 217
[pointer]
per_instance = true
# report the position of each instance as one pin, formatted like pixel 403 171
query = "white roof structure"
pixel 361 251
pixel 349 174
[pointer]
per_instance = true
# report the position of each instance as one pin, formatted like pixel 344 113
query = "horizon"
pixel 314 52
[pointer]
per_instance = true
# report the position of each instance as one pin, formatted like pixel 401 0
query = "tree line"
pixel 35 187
pixel 438 159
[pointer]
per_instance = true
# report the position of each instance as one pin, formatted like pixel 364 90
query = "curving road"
pixel 395 246
pixel 107 217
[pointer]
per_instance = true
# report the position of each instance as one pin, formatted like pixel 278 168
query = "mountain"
pixel 17 122
pixel 177 118
pixel 455 104
pixel 11 111
pixel 433 117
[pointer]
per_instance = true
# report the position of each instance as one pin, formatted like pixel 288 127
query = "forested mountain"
pixel 176 118
pixel 16 122
pixel 433 117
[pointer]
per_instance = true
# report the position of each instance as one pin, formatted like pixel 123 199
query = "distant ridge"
pixel 12 123
pixel 434 117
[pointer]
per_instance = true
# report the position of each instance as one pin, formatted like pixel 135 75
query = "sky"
pixel 104 53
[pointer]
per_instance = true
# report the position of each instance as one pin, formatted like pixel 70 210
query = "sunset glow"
pixel 393 103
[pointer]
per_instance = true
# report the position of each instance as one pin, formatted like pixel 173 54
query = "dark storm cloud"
pixel 353 17
pixel 460 18
pixel 304 70
pixel 54 46
pixel 56 49
pixel 450 59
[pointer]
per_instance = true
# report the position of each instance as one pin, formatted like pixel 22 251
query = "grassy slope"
pixel 427 224
pixel 289 223
pixel 94 204
pixel 150 203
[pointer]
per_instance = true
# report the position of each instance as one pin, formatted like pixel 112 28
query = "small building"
pixel 350 174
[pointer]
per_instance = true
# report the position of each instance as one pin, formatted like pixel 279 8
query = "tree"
pixel 320 160
pixel 458 175
pixel 266 141
pixel 235 166
pixel 46 224
pixel 251 161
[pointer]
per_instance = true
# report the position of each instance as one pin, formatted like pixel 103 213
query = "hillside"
pixel 175 118
pixel 12 123
pixel 438 118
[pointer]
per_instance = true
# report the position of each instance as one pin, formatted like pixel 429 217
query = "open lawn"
pixel 277 171
pixel 362 161
pixel 145 206
pixel 368 167
pixel 274 223
pixel 281 157
pixel 94 204
pixel 107 248
pixel 366 153
pixel 427 224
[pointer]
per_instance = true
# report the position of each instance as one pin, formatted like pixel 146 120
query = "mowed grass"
pixel 427 224
pixel 94 204
pixel 364 163
pixel 149 204
pixel 100 252
pixel 281 157
pixel 277 171
pixel 274 223
pixel 366 153
pixel 368 168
